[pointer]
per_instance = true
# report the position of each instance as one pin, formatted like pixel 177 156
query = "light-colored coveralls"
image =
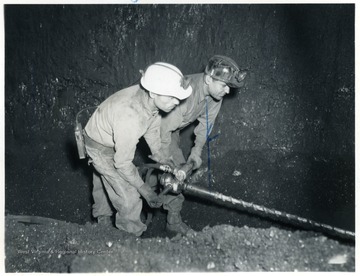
pixel 112 134
pixel 191 109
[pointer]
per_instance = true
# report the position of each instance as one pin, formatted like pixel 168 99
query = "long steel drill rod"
pixel 267 212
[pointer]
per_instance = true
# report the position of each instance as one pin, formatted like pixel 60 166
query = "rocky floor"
pixel 224 239
pixel 57 246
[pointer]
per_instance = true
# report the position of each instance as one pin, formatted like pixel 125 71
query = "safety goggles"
pixel 223 70
pixel 229 75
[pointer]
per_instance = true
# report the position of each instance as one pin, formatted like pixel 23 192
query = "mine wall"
pixel 297 101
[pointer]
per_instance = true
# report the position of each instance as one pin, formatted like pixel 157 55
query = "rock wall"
pixel 299 94
pixel 297 101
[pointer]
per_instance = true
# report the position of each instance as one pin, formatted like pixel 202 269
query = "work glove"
pixel 195 159
pixel 184 171
pixel 150 196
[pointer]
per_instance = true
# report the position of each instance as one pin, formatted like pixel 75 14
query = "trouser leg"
pixel 124 198
pixel 174 222
pixel 173 203
pixel 128 204
pixel 101 206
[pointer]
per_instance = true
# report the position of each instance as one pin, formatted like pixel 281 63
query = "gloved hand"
pixel 184 171
pixel 150 196
pixel 195 159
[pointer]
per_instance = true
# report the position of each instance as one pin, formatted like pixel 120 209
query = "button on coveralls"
pixel 111 136
pixel 191 109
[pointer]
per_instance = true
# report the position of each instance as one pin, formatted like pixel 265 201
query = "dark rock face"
pixel 289 131
pixel 299 94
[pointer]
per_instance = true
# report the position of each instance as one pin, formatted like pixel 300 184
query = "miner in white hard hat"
pixel 111 136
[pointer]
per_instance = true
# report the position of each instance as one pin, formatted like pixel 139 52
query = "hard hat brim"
pixel 235 84
pixel 179 93
pixel 232 83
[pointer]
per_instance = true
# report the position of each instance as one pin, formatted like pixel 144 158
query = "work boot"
pixel 105 221
pixel 175 224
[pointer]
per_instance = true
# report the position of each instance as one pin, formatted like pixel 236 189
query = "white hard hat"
pixel 165 79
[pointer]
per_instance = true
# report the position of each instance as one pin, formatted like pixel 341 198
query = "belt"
pixel 93 144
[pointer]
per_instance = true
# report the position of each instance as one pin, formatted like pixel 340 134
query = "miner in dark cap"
pixel 203 105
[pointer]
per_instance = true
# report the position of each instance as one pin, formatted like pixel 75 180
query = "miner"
pixel 111 136
pixel 203 105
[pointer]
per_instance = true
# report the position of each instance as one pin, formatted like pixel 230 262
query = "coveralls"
pixel 111 136
pixel 191 109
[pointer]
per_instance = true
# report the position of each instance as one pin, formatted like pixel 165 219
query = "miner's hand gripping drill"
pixel 173 179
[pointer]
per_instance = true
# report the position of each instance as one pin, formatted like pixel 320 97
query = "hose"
pixel 161 167
pixel 152 166
pixel 81 111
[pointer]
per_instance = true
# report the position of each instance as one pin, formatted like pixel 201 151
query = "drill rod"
pixel 267 212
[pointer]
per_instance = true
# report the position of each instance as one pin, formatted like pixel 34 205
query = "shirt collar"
pixel 199 85
pixel 147 102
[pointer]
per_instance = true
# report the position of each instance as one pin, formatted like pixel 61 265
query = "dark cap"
pixel 225 69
